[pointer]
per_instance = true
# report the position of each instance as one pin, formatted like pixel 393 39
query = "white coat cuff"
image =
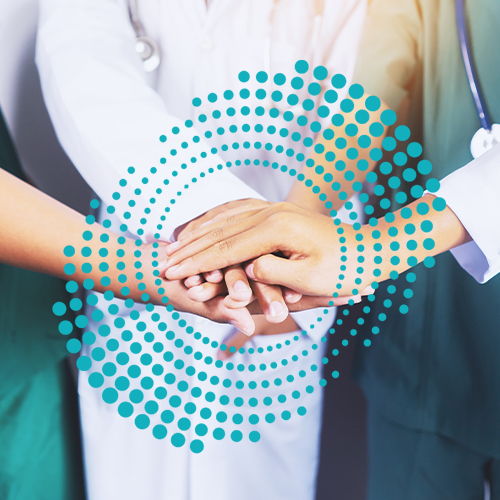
pixel 472 193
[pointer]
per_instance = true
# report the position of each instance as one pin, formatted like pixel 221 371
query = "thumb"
pixel 241 319
pixel 275 270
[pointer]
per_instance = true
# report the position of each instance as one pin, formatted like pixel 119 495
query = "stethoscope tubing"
pixel 470 68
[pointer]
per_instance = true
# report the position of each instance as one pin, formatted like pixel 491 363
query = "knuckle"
pixel 259 268
pixel 281 206
pixel 224 246
pixel 217 234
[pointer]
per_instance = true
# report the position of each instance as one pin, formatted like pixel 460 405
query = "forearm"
pixel 424 228
pixel 37 229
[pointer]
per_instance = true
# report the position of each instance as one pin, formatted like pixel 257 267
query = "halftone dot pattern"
pixel 147 373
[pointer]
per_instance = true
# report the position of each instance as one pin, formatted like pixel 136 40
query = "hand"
pixel 213 308
pixel 225 212
pixel 234 280
pixel 238 292
pixel 315 263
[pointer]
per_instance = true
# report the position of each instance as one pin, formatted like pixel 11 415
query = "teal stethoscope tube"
pixel 470 68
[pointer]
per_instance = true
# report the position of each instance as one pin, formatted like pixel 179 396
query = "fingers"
pixel 208 236
pixel 212 277
pixel 240 318
pixel 239 290
pixel 220 221
pixel 245 246
pixel 277 270
pixel 291 296
pixel 270 299
pixel 215 276
pixel 224 213
pixel 206 291
pixel 193 281
pixel 311 302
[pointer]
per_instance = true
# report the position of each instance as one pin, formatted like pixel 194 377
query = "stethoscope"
pixel 149 51
pixel 489 133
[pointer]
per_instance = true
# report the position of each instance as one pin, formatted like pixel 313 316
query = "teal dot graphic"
pixel 157 367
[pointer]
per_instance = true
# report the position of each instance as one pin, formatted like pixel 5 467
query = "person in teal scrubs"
pixel 40 455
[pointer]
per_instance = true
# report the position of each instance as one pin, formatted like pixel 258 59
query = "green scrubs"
pixel 40 455
pixel 435 370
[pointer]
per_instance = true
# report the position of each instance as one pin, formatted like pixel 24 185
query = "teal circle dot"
pixel 125 409
pixel 236 436
pixel 59 308
pixel 243 76
pixel 109 395
pixel 178 439
pixel 159 431
pixel 301 66
pixel 388 117
pixel 73 346
pixel 196 446
pixel 142 421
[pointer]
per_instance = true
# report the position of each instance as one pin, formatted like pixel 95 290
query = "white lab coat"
pixel 109 115
pixel 472 192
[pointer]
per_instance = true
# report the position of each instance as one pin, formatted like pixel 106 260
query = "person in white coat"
pixel 108 114
pixel 467 226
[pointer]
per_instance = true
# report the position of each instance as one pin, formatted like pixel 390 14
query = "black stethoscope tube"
pixel 470 69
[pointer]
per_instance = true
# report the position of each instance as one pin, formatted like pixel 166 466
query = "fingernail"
pixel 195 292
pixel 242 288
pixel 276 309
pixel 172 270
pixel 193 281
pixel 214 276
pixel 292 297
pixel 249 271
pixel 173 247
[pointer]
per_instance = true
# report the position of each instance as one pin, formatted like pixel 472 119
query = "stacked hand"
pixel 229 254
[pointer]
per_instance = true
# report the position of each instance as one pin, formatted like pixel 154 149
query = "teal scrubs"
pixel 434 371
pixel 40 456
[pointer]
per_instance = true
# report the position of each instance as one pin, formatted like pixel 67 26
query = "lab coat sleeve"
pixel 473 193
pixel 108 119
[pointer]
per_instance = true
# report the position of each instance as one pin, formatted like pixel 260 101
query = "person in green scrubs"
pixel 40 451
pixel 40 455
pixel 432 378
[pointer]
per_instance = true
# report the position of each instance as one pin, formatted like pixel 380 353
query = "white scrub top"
pixel 472 192
pixel 109 115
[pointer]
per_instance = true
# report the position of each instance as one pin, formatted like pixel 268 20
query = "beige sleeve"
pixel 389 50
